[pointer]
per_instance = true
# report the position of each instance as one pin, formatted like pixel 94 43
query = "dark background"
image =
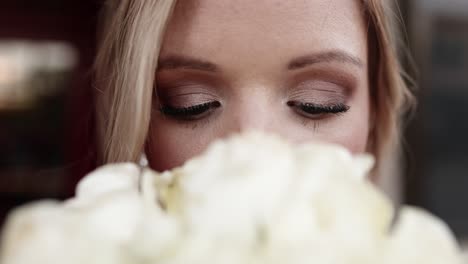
pixel 47 147
pixel 437 160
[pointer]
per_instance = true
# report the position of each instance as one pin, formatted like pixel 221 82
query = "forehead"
pixel 267 26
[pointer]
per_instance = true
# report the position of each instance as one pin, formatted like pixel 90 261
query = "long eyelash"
pixel 311 108
pixel 186 112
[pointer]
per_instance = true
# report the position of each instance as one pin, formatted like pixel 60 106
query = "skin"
pixel 259 60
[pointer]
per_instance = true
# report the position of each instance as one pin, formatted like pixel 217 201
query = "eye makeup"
pixel 317 111
pixel 316 97
pixel 332 78
pixel 193 112
pixel 186 102
pixel 311 96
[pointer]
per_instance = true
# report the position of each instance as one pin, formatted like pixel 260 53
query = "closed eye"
pixel 193 112
pixel 318 111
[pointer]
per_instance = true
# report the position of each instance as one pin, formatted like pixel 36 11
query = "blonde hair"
pixel 132 33
pixel 131 38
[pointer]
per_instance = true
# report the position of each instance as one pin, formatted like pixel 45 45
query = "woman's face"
pixel 294 68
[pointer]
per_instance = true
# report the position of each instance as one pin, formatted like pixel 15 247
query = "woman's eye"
pixel 193 112
pixel 318 111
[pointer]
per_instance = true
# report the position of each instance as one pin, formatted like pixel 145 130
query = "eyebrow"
pixel 174 62
pixel 325 57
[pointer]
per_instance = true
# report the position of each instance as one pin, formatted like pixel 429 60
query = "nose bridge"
pixel 254 109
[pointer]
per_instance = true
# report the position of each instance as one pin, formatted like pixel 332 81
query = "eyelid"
pixel 177 82
pixel 318 92
pixel 339 79
pixel 191 113
pixel 321 85
pixel 310 111
pixel 187 99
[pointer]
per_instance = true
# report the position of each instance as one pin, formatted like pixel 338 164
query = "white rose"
pixel 251 199
pixel 99 225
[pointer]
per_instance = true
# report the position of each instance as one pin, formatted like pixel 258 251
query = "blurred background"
pixel 47 48
pixel 46 51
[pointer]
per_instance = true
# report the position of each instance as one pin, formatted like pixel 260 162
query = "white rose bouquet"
pixel 250 199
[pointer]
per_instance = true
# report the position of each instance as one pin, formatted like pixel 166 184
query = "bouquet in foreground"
pixel 250 199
